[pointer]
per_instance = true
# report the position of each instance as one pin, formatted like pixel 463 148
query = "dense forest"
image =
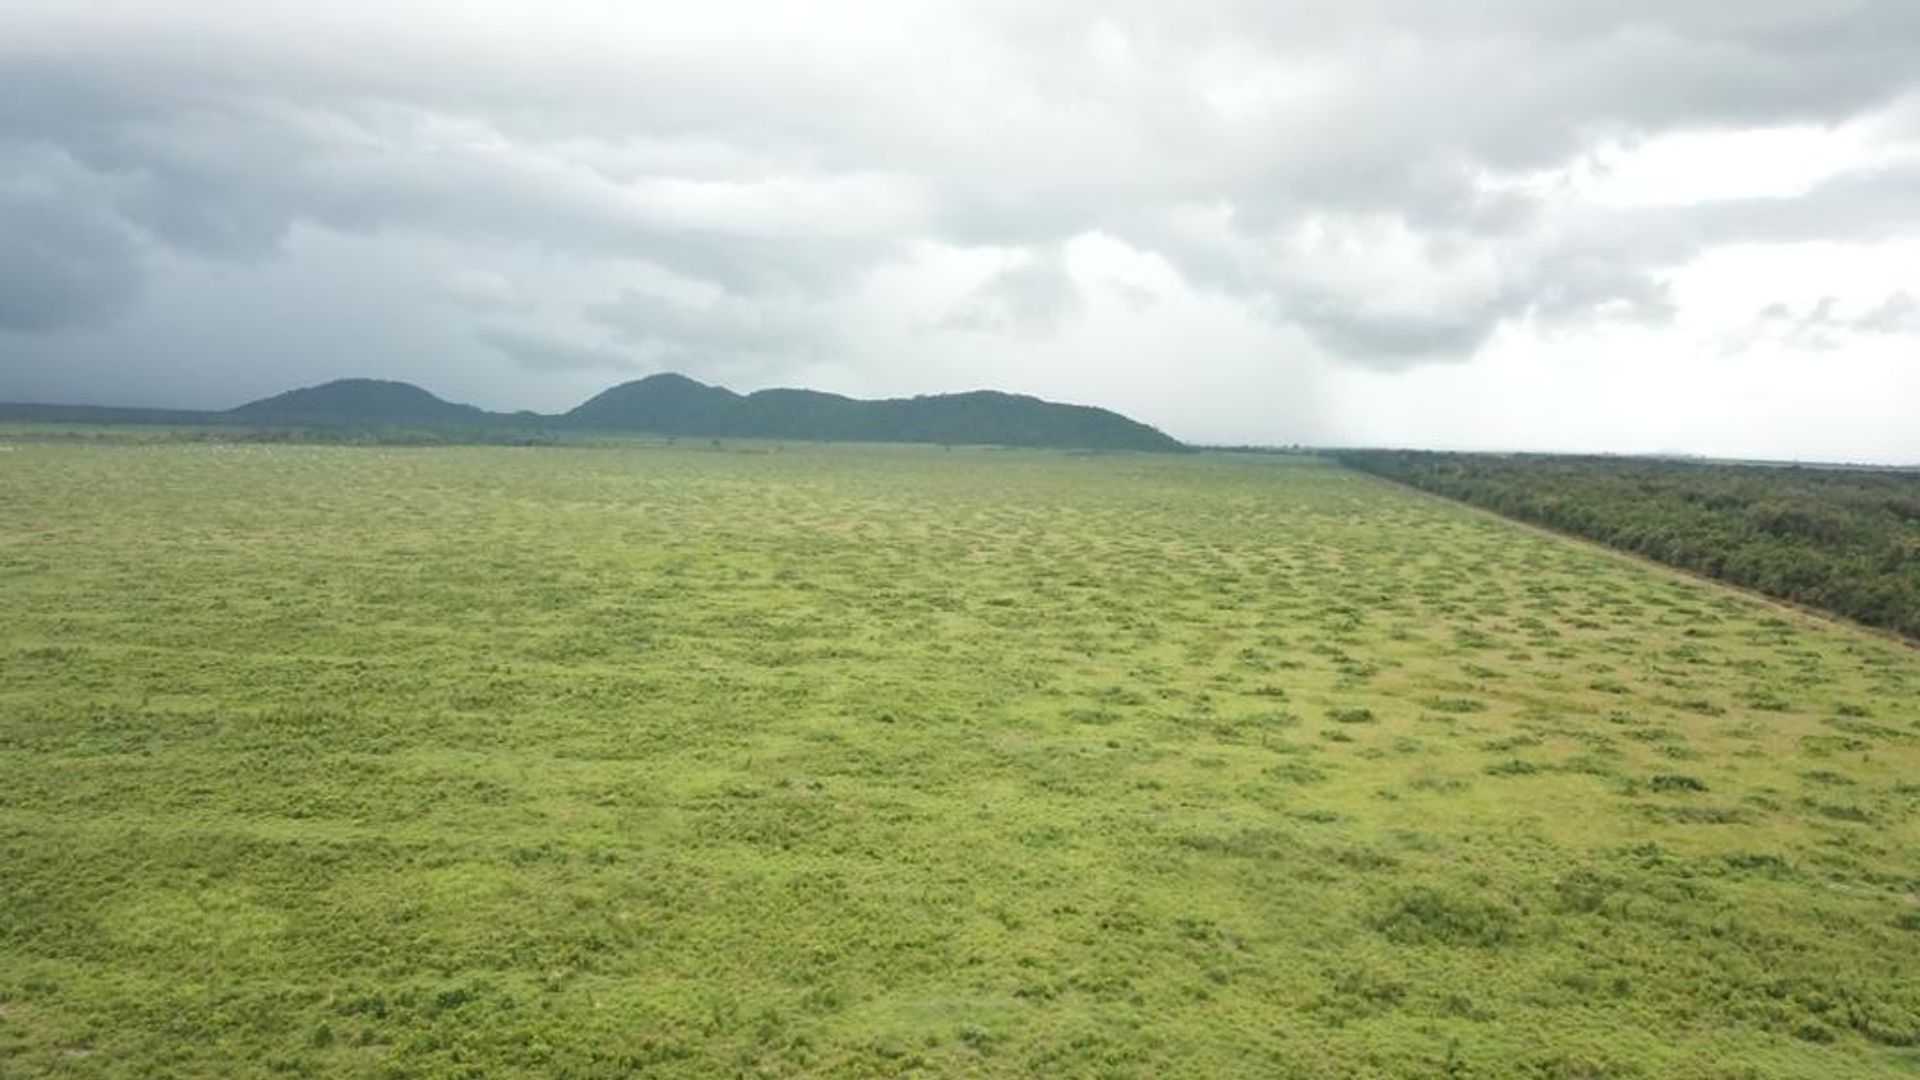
pixel 1844 540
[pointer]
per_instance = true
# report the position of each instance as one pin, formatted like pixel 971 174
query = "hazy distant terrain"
pixel 878 761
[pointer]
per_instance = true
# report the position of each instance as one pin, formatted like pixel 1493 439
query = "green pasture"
pixel 795 761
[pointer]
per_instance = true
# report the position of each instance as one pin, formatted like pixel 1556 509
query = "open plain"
pixel 775 760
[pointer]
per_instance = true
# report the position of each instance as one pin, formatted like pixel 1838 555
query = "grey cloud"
pixel 1555 289
pixel 1814 330
pixel 1358 107
pixel 1033 297
pixel 1822 327
pixel 228 176
pixel 728 337
pixel 1567 269
pixel 542 352
pixel 1410 298
pixel 1471 88
pixel 1897 314
pixel 780 165
pixel 1392 340
pixel 1863 204
pixel 64 262
pixel 480 291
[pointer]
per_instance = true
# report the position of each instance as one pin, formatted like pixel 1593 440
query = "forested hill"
pixel 1844 540
pixel 677 405
pixel 369 401
pixel 671 405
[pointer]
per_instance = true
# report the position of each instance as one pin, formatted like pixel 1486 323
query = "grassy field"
pixel 849 762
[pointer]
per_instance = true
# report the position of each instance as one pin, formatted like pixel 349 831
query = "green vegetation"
pixel 1844 540
pixel 782 761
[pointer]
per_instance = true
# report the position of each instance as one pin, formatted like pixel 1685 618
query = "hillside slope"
pixel 357 402
pixel 676 405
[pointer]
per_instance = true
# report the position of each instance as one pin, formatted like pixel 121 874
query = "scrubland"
pixel 781 760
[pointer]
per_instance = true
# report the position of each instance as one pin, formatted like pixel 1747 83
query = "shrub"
pixel 1674 782
pixel 1428 916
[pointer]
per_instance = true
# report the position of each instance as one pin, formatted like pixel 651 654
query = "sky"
pixel 1580 225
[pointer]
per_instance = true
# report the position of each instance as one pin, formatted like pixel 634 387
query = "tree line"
pixel 1844 540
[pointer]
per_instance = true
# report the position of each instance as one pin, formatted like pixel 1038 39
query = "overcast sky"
pixel 1621 225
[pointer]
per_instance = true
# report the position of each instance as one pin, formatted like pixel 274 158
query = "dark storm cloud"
pixel 204 165
pixel 1357 170
pixel 63 263
pixel 60 266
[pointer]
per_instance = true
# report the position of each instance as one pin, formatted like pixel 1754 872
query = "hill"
pixel 660 404
pixel 665 404
pixel 361 402
pixel 676 405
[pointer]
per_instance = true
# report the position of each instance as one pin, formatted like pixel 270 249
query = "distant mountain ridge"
pixel 672 405
pixel 676 405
